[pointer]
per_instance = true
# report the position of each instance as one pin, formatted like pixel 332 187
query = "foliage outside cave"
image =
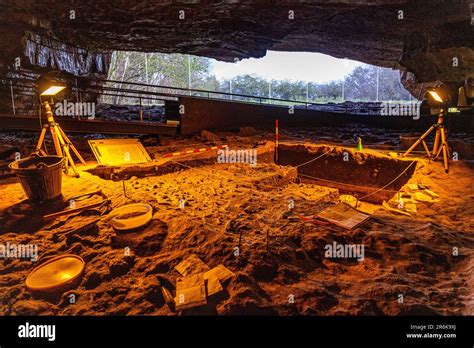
pixel 173 70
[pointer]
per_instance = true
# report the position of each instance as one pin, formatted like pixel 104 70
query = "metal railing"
pixel 234 97
pixel 159 93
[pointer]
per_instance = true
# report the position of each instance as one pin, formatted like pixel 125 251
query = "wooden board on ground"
pixel 343 215
pixel 191 265
pixel 190 292
pixel 114 152
pixel 220 272
pixel 213 285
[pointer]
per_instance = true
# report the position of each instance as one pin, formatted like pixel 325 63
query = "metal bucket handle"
pixel 44 166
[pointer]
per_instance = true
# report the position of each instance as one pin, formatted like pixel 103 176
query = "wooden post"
pixel 276 141
pixel 240 242
pixel 141 110
pixel 267 242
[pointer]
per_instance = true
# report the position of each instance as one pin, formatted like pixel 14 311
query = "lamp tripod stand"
pixel 437 147
pixel 61 142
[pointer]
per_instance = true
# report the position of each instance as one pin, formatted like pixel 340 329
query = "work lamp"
pixel 436 97
pixel 53 90
pixel 439 101
pixel 48 88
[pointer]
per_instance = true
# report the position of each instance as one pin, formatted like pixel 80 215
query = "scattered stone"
pixel 210 136
pixel 248 131
pixel 118 269
pixel 33 307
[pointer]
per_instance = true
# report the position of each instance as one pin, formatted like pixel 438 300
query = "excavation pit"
pixel 368 175
pixel 211 210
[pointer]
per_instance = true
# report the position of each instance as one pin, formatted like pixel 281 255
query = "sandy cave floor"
pixel 409 256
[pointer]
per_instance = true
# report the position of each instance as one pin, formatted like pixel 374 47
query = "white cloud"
pixel 305 66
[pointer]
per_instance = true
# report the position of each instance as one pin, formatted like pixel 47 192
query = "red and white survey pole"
pixel 276 141
pixel 204 149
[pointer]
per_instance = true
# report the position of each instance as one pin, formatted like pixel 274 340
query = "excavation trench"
pixel 368 175
pixel 207 209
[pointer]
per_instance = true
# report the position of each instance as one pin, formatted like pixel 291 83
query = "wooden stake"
pixel 240 241
pixel 267 241
pixel 276 141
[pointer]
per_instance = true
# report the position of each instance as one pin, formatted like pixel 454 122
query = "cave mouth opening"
pixel 292 76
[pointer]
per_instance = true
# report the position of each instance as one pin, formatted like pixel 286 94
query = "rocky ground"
pixel 150 113
pixel 419 264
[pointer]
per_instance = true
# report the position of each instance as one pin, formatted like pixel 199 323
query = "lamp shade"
pixel 49 86
pixel 53 90
pixel 437 97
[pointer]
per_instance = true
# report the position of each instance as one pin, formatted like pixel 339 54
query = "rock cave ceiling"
pixel 420 37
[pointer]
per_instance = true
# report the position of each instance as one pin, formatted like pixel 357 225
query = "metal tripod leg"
pixel 57 144
pixel 425 147
pixel 71 145
pixel 444 148
pixel 436 142
pixel 67 154
pixel 444 144
pixel 419 141
pixel 60 140
pixel 39 145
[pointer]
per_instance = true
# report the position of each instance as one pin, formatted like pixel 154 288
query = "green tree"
pixel 173 70
pixel 159 69
pixel 327 92
pixel 361 84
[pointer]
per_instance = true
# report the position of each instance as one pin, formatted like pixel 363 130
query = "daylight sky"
pixel 309 67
